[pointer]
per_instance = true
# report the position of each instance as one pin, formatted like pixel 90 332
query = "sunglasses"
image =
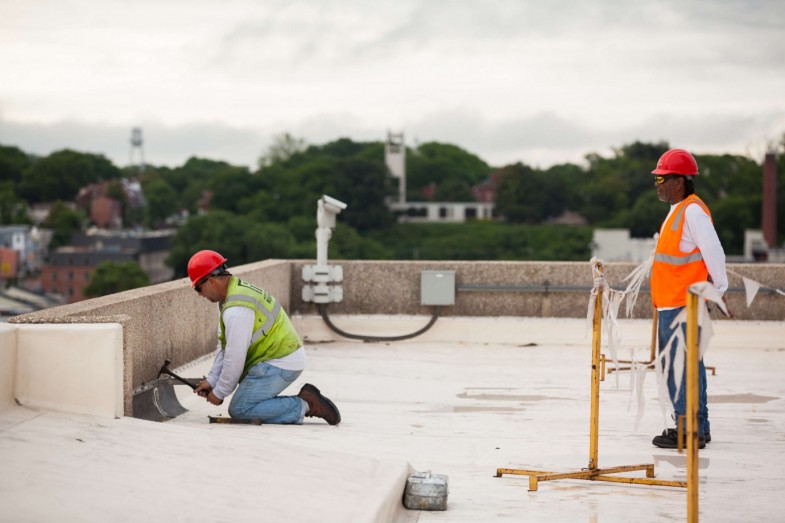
pixel 198 286
pixel 659 180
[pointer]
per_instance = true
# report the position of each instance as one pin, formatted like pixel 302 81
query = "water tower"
pixel 137 150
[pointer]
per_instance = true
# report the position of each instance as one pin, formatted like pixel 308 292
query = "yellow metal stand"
pixel 593 472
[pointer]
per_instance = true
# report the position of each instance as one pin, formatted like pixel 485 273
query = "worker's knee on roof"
pixel 236 412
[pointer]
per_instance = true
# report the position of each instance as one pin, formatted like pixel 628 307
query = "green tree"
pixel 63 221
pixel 230 189
pixel 283 148
pixel 519 196
pixel 453 190
pixel 238 238
pixel 481 240
pixel 348 244
pixel 267 240
pixel 434 162
pixel 342 169
pixel 731 216
pixel 116 191
pixel 363 185
pixel 60 175
pixel 111 277
pixel 646 215
pixel 13 163
pixel 13 209
pixel 161 199
pixel 195 177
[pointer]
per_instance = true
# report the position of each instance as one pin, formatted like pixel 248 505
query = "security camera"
pixel 332 205
pixel 327 208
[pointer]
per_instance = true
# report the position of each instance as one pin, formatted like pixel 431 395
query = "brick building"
pixel 70 268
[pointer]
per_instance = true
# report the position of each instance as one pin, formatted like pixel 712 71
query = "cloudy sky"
pixel 541 82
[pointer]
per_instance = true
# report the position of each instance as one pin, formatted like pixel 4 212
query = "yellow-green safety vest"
pixel 273 333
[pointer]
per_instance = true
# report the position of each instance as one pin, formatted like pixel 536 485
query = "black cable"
pixel 323 312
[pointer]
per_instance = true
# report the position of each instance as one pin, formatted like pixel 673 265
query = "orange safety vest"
pixel 673 270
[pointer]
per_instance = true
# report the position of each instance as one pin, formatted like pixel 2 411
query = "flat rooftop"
pixel 467 397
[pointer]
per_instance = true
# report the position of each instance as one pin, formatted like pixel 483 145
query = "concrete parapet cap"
pixel 28 319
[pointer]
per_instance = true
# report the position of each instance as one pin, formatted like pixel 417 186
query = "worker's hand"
pixel 212 398
pixel 203 389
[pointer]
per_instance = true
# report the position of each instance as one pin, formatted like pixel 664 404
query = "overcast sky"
pixel 541 82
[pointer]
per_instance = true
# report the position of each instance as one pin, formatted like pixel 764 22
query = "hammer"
pixel 165 370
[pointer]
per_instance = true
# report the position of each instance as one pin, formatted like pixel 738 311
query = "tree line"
pixel 269 212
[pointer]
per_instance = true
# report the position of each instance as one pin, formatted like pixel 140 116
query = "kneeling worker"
pixel 257 348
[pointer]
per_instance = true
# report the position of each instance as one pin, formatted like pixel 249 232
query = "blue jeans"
pixel 664 333
pixel 257 396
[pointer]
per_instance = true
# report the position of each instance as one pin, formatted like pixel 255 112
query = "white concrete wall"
pixel 7 364
pixel 75 368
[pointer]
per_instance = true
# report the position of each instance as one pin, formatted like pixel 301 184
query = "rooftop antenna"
pixel 395 159
pixel 136 147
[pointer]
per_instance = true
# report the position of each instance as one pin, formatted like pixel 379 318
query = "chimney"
pixel 769 221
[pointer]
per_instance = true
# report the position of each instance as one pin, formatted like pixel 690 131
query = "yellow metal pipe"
pixel 535 476
pixel 595 380
pixel 692 408
pixel 640 481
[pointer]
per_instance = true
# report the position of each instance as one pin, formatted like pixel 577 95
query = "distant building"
pixel 28 243
pixel 70 269
pixel 429 211
pixel 106 212
pixel 16 300
pixel 616 245
pixel 8 263
pixel 756 249
pixel 39 212
pixel 444 212
pixel 485 191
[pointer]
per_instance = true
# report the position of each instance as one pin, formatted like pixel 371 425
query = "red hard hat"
pixel 677 161
pixel 202 264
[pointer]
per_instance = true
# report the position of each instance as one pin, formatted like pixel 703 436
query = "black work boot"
pixel 669 439
pixel 318 405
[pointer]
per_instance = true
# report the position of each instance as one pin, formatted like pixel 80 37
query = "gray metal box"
pixel 437 288
pixel 426 491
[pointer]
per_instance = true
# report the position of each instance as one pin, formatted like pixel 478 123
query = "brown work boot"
pixel 318 405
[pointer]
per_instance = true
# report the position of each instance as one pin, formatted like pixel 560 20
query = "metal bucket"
pixel 426 491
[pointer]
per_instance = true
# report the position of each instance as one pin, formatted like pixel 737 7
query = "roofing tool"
pixel 156 400
pixel 165 370
pixel 234 421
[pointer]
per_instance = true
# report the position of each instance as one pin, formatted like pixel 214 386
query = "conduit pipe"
pixel 367 338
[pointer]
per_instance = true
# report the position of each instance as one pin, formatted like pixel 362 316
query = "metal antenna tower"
pixel 136 147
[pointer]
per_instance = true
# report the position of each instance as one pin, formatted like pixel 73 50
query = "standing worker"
pixel 688 251
pixel 257 348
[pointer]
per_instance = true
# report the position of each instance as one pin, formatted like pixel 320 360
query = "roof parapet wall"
pixel 168 320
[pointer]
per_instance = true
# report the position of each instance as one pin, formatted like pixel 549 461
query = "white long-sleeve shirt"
pixel 229 363
pixel 699 232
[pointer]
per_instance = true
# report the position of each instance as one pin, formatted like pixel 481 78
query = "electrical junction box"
pixel 437 288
